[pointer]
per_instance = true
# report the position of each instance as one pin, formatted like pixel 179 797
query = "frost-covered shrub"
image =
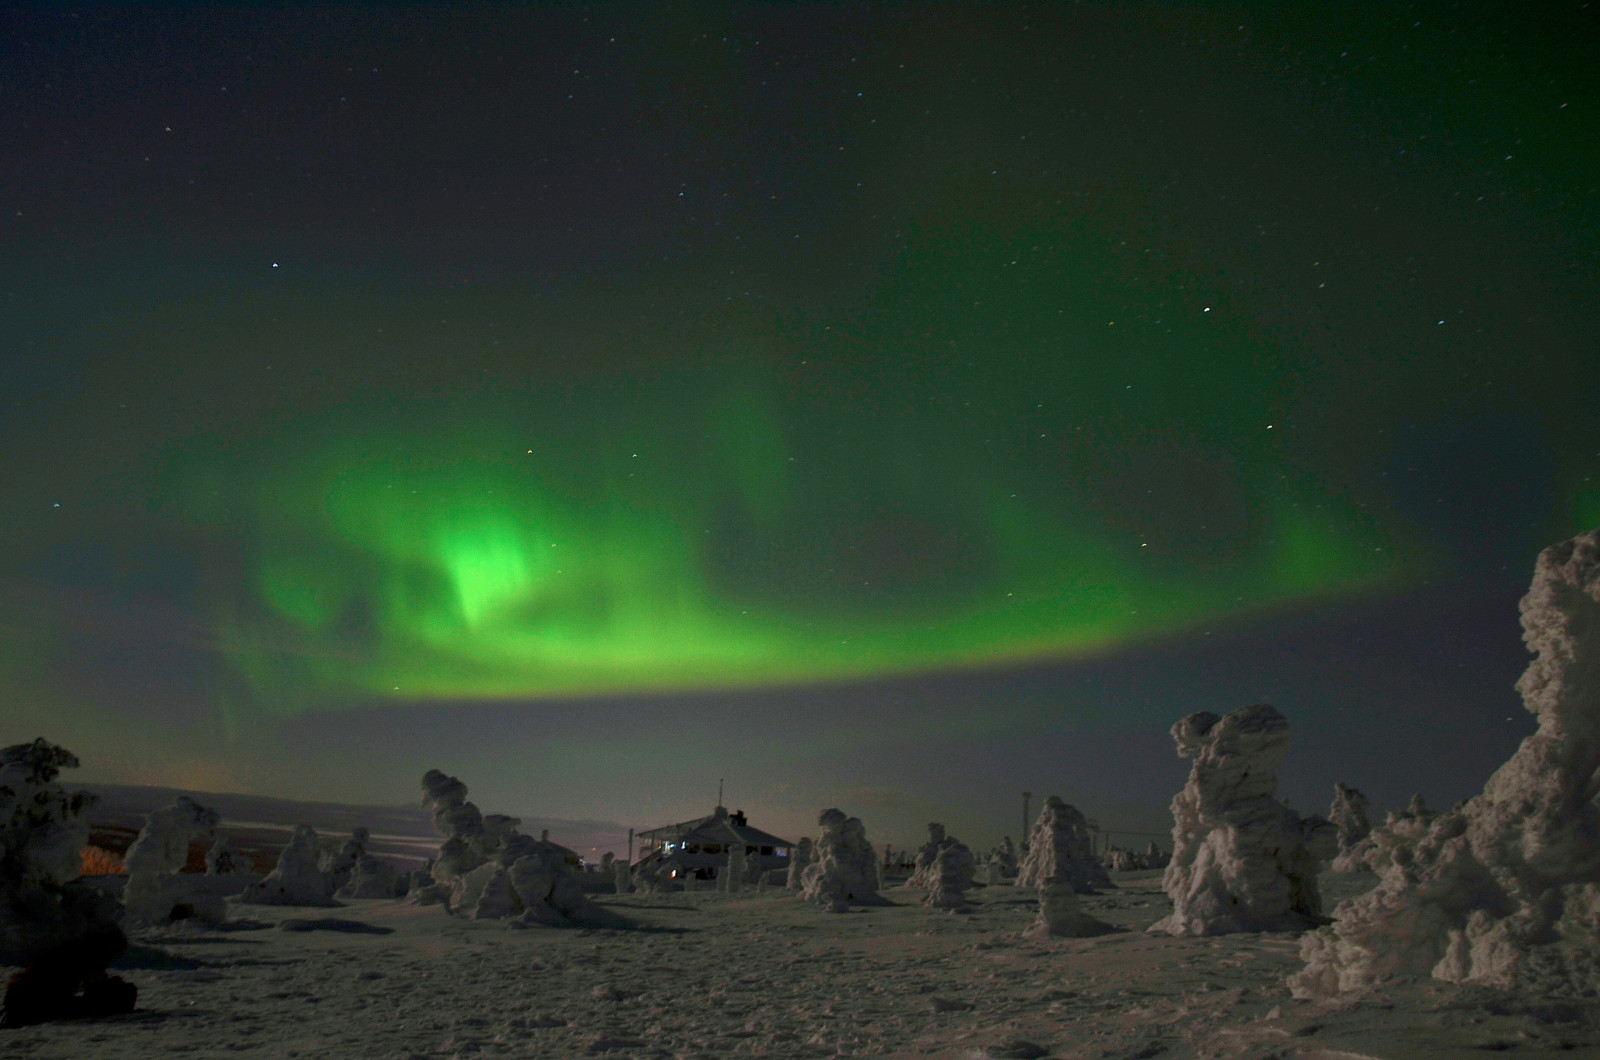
pixel 43 830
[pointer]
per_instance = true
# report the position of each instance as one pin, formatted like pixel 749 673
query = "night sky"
pixel 892 406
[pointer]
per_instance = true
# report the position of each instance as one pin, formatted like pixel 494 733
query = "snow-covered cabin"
pixel 701 846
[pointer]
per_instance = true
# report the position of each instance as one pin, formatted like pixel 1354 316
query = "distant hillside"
pixel 259 825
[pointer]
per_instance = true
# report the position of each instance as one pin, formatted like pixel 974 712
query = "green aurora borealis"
pixel 593 398
pixel 810 513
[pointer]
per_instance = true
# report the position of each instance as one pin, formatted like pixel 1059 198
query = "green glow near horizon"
pixel 1585 506
pixel 458 575
pixel 814 515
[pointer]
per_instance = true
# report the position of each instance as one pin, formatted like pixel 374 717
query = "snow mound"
pixel 298 878
pixel 654 873
pixel 158 891
pixel 1241 859
pixel 844 869
pixel 487 870
pixel 1401 830
pixel 1060 848
pixel 731 879
pixel 1061 914
pixel 1001 863
pixel 372 877
pixel 922 872
pixel 950 876
pixel 1349 815
pixel 1503 891
pixel 340 861
pixel 223 860
pixel 803 853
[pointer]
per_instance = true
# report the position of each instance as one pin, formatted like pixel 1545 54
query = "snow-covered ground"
pixel 763 974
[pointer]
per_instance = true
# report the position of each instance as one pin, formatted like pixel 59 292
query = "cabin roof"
pixel 716 827
pixel 722 830
pixel 673 831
